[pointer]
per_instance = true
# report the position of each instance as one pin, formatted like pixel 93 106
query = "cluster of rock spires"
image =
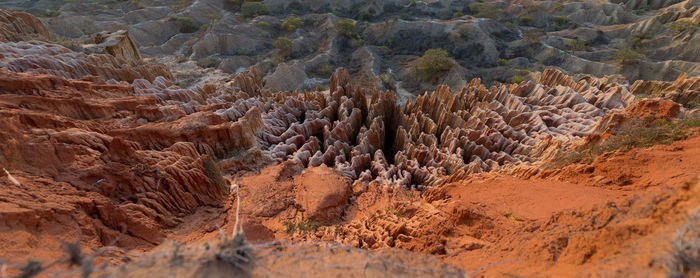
pixel 151 152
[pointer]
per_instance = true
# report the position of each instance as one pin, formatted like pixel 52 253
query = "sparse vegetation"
pixel 627 56
pixel 51 13
pixel 355 43
pixel 561 20
pixel 324 69
pixel 525 20
pixel 186 24
pixel 577 45
pixel 346 28
pixel 637 135
pixel 384 49
pixel 433 63
pixel 284 45
pixel 485 10
pixel 263 24
pixel 683 25
pixel 304 226
pixel 213 172
pixel 253 9
pixel 517 79
pixel 291 23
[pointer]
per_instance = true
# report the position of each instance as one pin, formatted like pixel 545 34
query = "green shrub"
pixel 525 20
pixel 263 24
pixel 516 79
pixel 683 25
pixel 291 23
pixel 485 10
pixel 509 24
pixel 405 16
pixel 502 61
pixel 561 20
pixel 627 56
pixel 253 9
pixel 186 24
pixel 284 45
pixel 577 44
pixel 433 63
pixel 346 28
pixel 458 14
pixel 296 12
pixel 324 69
pixel 337 13
pixel 384 49
pixel 363 15
pixel 355 43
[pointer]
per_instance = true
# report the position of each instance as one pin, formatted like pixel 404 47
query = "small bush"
pixel 284 45
pixel 291 23
pixel 253 9
pixel 304 226
pixel 324 69
pixel 683 25
pixel 458 14
pixel 433 63
pixel 186 24
pixel 516 79
pixel 363 15
pixel 213 172
pixel 627 56
pixel 502 61
pixel 525 20
pixel 355 43
pixel 337 13
pixel 296 12
pixel 263 24
pixel 577 44
pixel 346 28
pixel 384 49
pixel 485 10
pixel 406 16
pixel 561 20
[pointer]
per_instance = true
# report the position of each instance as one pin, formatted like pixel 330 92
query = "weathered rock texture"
pixel 18 26
pixel 117 44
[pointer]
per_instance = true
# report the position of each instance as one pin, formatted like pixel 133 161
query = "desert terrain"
pixel 217 138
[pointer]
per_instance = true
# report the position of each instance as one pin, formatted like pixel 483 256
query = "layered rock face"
pixel 24 48
pixel 18 26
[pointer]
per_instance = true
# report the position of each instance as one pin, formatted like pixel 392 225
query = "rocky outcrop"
pixel 683 90
pixel 19 26
pixel 117 44
pixel 67 132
